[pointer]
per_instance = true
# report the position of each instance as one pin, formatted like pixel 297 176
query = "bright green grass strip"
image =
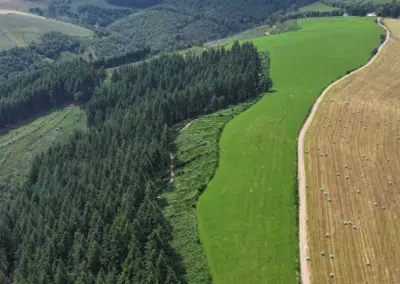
pixel 20 145
pixel 318 7
pixel 247 215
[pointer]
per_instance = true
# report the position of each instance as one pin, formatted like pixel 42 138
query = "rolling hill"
pixel 20 30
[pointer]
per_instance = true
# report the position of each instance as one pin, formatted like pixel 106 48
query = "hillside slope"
pixel 20 30
pixel 179 24
pixel 19 146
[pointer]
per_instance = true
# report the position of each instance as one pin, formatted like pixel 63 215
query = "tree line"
pixel 389 9
pixel 35 92
pixel 129 57
pixel 282 17
pixel 89 211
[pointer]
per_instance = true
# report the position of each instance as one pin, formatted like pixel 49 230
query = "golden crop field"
pixel 353 175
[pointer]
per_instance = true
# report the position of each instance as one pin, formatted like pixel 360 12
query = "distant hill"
pixel 176 24
pixel 20 30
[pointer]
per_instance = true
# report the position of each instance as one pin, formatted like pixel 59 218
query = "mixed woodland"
pixel 37 55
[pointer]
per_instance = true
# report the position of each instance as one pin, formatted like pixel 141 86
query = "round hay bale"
pixel 354 228
pixel 331 275
pixel 332 256
pixel 308 258
pixel 326 235
pixel 322 253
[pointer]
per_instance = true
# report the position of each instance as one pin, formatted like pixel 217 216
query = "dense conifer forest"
pixel 90 212
pixel 33 93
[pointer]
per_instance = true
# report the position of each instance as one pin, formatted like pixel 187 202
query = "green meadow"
pixel 247 216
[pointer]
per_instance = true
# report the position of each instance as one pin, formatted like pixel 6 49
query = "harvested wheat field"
pixel 353 175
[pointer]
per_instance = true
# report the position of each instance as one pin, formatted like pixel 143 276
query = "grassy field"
pixel 20 30
pixel 360 116
pixel 318 7
pixel 18 146
pixel 247 215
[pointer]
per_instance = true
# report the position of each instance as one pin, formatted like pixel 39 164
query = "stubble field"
pixel 353 175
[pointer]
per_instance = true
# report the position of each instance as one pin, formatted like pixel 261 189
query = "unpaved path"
pixel 172 167
pixel 6 12
pixel 303 245
pixel 187 125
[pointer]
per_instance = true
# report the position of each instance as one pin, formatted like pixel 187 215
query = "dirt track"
pixel 303 240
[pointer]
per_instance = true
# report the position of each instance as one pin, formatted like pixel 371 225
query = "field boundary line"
pixel 301 176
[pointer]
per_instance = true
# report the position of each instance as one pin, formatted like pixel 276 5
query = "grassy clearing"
pixel 290 25
pixel 18 146
pixel 367 123
pixel 247 215
pixel 21 30
pixel 318 7
pixel 5 41
pixel 196 162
